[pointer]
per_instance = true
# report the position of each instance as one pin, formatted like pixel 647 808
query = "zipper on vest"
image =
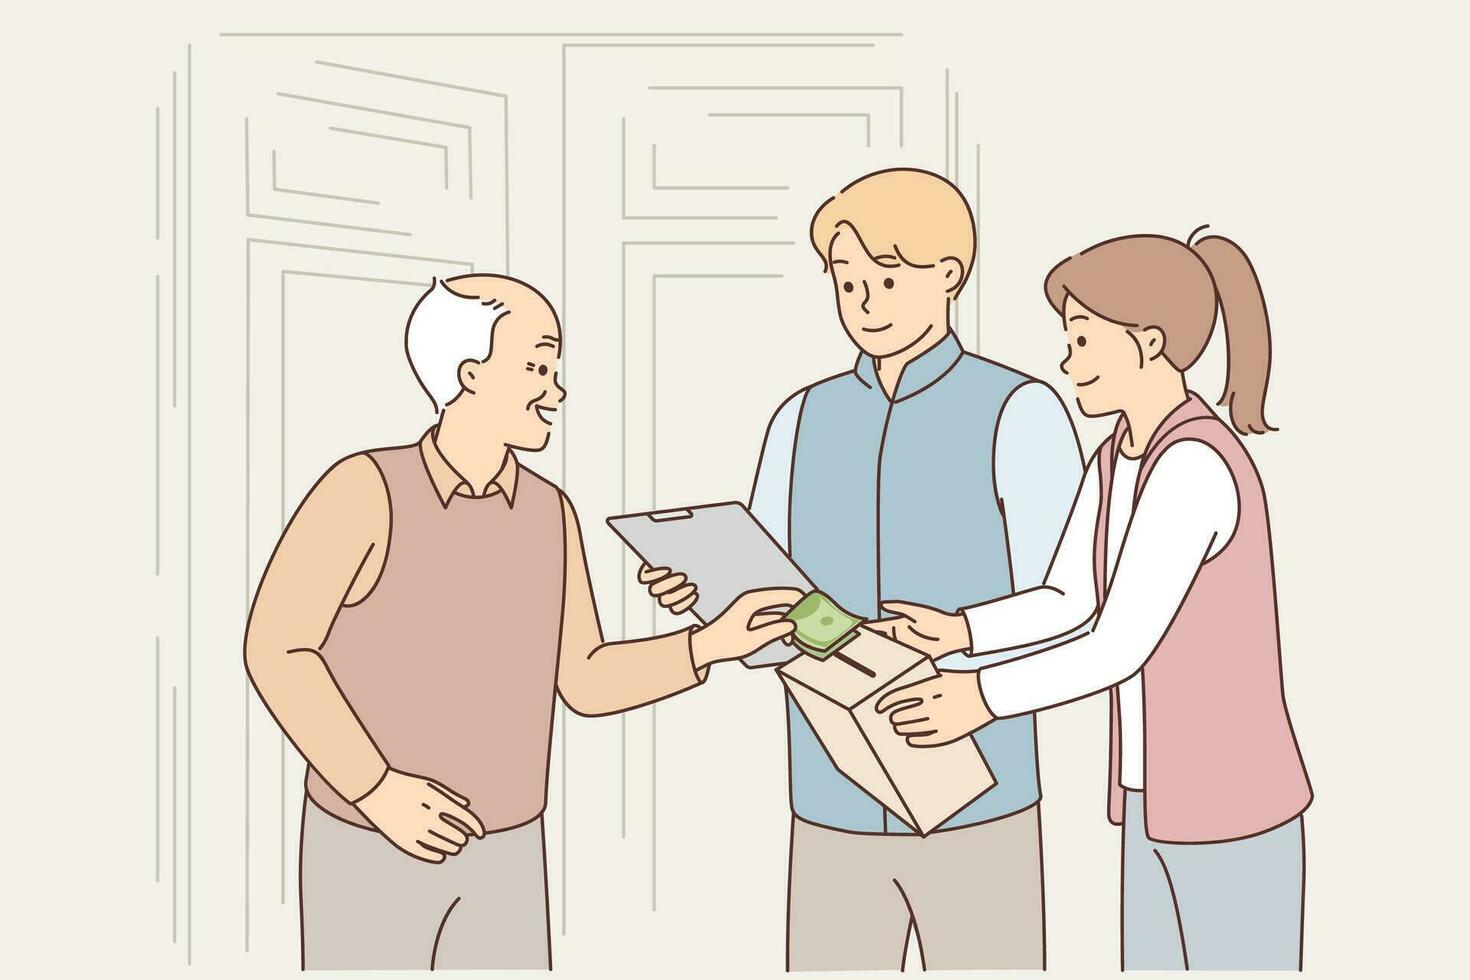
pixel 878 516
pixel 878 539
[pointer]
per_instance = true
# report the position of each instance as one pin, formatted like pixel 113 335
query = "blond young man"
pixel 930 474
pixel 423 610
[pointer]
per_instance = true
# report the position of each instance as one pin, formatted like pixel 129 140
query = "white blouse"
pixel 1185 516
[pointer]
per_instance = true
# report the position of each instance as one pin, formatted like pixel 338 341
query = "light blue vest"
pixel 896 500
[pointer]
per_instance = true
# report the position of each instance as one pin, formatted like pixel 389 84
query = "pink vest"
pixel 1220 759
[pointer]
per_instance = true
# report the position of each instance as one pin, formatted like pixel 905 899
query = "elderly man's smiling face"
pixel 514 391
pixel 887 305
pixel 523 390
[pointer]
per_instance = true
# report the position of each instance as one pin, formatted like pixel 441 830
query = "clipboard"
pixel 724 550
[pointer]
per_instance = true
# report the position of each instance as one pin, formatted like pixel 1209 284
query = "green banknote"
pixel 822 626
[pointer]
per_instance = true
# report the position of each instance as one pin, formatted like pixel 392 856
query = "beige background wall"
pixel 223 219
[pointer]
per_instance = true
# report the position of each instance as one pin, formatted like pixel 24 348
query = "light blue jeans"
pixel 1235 905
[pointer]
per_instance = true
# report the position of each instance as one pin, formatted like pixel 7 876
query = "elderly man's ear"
pixel 469 375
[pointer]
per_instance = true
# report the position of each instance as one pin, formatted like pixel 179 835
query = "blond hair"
pixel 917 216
pixel 1157 281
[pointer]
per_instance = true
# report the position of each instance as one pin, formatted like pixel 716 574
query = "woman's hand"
pixel 932 632
pixel 937 710
pixel 672 589
pixel 744 627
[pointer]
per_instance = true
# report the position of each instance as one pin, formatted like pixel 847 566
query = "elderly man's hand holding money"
pixel 821 627
pixel 747 624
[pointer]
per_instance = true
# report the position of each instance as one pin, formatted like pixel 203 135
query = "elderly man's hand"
pixel 422 818
pixel 937 710
pixel 749 623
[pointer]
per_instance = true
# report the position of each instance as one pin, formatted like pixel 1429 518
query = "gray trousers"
pixel 1235 905
pixel 365 905
pixel 973 896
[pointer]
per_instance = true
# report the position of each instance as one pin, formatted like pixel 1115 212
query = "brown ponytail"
pixel 1157 281
pixel 1247 332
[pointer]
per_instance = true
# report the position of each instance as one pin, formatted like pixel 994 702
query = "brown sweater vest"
pixel 450 661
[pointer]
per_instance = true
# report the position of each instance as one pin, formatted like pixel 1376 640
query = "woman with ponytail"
pixel 1161 591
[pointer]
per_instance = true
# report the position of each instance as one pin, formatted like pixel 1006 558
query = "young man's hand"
pixel 932 632
pixel 744 627
pixel 421 818
pixel 937 710
pixel 672 589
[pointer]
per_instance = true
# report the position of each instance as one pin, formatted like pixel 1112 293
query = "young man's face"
pixel 887 306
pixel 517 386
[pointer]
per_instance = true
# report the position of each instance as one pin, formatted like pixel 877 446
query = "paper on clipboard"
pixel 724 550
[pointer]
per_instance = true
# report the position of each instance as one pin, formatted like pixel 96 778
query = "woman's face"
pixel 1104 359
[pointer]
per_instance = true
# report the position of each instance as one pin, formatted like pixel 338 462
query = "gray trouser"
pixel 1235 905
pixel 973 896
pixel 365 905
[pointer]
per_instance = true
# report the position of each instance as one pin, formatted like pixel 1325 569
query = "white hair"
pixel 446 329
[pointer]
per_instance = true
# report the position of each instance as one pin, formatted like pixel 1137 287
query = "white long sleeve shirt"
pixel 1186 515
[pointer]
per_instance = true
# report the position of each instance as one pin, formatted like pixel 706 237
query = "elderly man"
pixel 422 611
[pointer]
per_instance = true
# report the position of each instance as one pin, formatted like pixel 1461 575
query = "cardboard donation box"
pixel 924 786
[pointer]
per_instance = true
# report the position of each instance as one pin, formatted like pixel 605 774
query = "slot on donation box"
pixel 924 786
